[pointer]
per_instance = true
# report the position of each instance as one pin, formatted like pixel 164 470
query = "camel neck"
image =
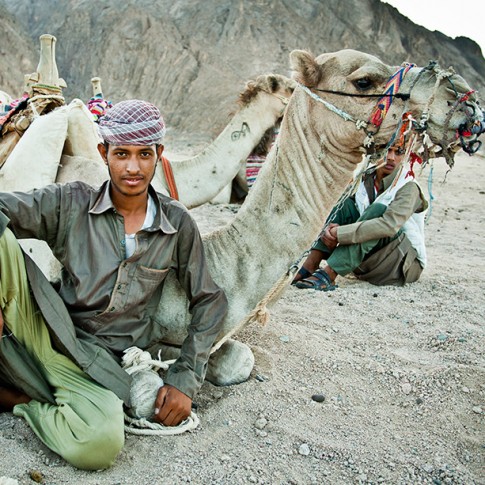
pixel 293 189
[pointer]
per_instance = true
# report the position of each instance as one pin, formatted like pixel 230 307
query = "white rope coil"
pixel 146 383
pixel 136 359
pixel 142 426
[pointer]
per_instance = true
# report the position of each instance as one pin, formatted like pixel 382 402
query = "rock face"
pixel 18 54
pixel 192 58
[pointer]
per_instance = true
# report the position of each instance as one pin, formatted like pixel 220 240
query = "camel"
pixel 199 179
pixel 230 149
pixel 313 161
pixel 320 144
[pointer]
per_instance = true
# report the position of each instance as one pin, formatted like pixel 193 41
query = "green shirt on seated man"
pixel 377 234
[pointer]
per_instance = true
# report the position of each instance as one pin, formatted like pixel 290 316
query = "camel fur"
pixel 304 175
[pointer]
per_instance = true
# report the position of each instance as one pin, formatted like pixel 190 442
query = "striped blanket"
pixel 253 166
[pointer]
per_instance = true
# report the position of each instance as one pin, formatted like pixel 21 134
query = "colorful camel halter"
pixel 391 91
pixel 381 109
pixel 473 125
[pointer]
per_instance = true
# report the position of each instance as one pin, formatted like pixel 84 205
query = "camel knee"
pixel 231 364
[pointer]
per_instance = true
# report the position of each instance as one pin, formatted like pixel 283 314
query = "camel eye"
pixel 363 84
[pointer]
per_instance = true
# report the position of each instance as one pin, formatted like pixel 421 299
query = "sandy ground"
pixel 402 372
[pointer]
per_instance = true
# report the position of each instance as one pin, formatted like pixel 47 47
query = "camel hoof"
pixel 231 364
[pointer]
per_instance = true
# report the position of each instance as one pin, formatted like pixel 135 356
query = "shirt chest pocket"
pixel 132 295
pixel 144 283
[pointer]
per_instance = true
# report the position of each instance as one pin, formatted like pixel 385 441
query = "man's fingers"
pixel 162 392
pixel 173 419
pixel 171 406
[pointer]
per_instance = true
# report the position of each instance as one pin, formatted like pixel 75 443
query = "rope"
pixel 282 98
pixel 35 113
pixel 260 312
pixel 136 360
pixel 359 123
pixel 144 427
pixel 403 96
pixel 440 75
pixel 431 197
pixel 169 177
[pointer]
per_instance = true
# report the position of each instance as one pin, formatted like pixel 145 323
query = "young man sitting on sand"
pixel 60 352
pixel 377 234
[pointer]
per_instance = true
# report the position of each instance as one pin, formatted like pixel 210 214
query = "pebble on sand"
pixel 318 397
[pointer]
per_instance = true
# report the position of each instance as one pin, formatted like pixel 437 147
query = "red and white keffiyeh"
pixel 132 122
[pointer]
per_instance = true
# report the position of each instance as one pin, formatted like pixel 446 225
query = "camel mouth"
pixel 468 133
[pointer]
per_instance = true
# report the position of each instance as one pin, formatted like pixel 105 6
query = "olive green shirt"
pixel 113 300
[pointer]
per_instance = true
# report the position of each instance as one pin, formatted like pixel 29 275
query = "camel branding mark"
pixel 235 135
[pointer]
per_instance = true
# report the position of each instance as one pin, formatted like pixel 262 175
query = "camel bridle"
pixel 467 132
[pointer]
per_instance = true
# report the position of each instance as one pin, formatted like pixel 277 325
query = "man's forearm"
pixel 188 372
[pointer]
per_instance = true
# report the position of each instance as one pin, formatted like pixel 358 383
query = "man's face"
pixel 393 159
pixel 131 167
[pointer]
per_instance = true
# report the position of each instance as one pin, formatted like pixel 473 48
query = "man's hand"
pixel 171 406
pixel 329 236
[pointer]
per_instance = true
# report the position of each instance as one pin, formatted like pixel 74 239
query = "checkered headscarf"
pixel 132 122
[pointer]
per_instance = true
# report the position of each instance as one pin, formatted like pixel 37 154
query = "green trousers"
pixel 85 424
pixel 345 259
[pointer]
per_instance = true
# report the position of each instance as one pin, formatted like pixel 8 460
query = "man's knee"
pixel 100 449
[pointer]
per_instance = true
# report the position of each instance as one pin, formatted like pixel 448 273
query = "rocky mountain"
pixel 17 53
pixel 192 58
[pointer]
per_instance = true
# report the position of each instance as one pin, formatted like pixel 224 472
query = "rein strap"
pixel 403 96
pixel 392 88
pixel 167 171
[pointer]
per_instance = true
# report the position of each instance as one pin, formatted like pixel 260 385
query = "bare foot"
pixel 11 397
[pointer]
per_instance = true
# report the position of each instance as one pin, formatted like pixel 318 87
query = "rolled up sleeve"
pixel 407 201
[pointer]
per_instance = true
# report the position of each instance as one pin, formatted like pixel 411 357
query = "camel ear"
pixel 306 70
pixel 273 83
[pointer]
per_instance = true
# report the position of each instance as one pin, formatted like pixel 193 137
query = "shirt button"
pixel 112 309
pixel 119 287
pixel 122 242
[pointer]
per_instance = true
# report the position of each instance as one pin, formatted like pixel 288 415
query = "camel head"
pixel 435 103
pixel 274 84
